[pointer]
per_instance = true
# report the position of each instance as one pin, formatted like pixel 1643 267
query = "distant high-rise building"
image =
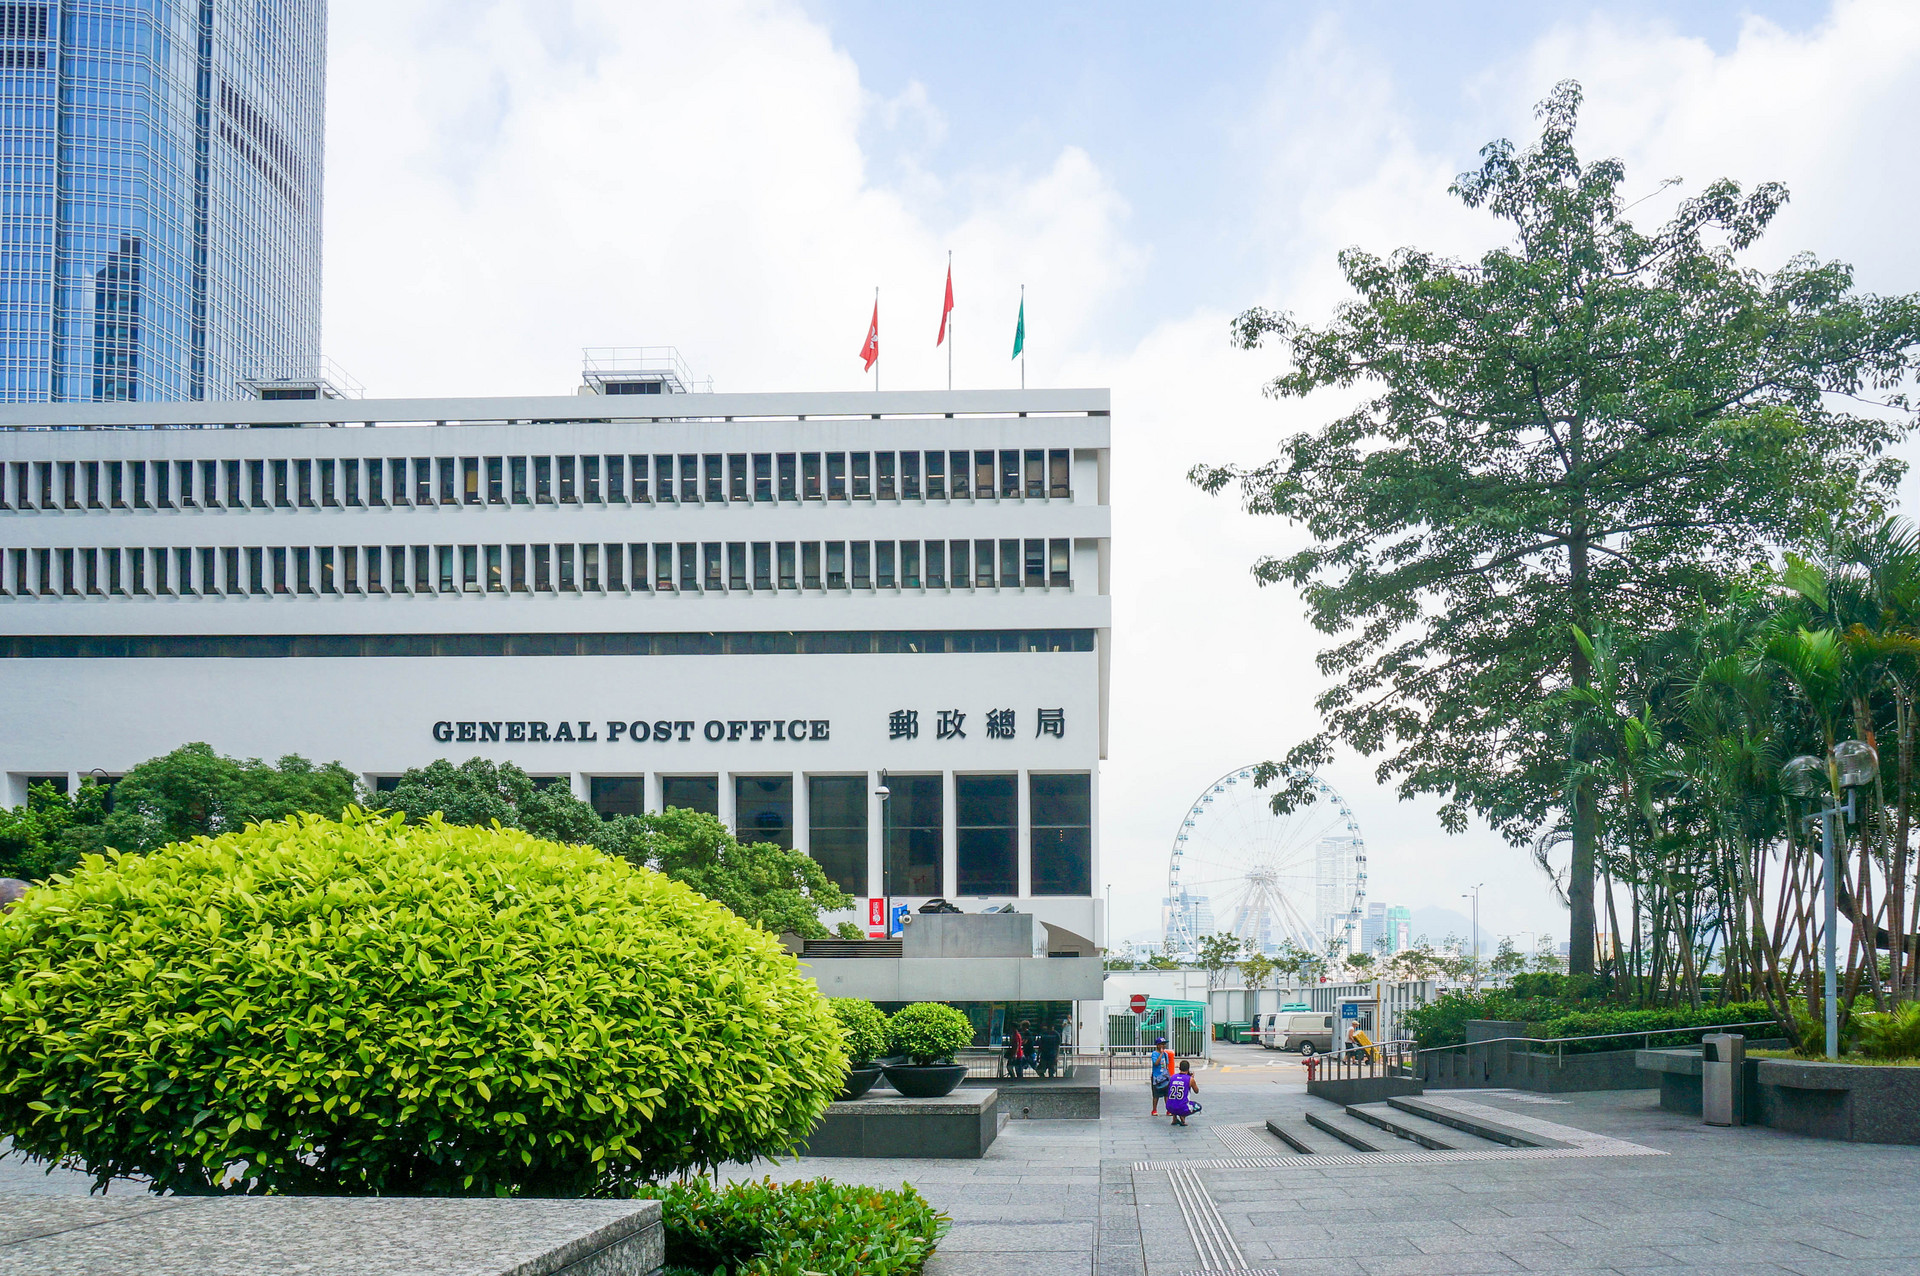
pixel 1373 927
pixel 1400 928
pixel 160 183
pixel 1189 912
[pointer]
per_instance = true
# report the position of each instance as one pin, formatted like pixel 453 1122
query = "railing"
pixel 1382 1059
pixel 1560 1043
pixel 1111 1061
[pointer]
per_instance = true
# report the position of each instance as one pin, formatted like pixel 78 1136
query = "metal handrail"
pixel 1559 1043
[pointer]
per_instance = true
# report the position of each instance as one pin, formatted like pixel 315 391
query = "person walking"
pixel 1161 1073
pixel 1017 1041
pixel 1181 1087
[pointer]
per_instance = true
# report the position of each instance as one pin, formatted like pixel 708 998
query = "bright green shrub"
pixel 928 1031
pixel 818 1227
pixel 864 1025
pixel 371 1006
pixel 1443 1021
pixel 1892 1035
pixel 1593 1023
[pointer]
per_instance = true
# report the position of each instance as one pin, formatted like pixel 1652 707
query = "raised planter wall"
pixel 1513 1067
pixel 961 1126
pixel 1847 1102
pixel 1074 1097
pixel 1349 1090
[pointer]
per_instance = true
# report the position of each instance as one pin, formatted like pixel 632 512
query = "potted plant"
pixel 865 1029
pixel 927 1034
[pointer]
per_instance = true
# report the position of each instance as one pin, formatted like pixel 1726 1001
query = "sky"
pixel 511 181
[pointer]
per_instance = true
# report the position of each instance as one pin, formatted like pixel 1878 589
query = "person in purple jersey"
pixel 1181 1087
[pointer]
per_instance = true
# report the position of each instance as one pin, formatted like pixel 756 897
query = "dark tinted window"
pixel 1061 809
pixel 837 829
pixel 913 836
pixel 987 819
pixel 691 792
pixel 763 809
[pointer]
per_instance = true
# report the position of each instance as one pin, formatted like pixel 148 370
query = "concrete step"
pixel 1291 1139
pixel 1430 1135
pixel 1479 1127
pixel 1356 1134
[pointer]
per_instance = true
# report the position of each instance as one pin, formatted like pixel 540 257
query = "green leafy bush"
pixel 372 1006
pixel 864 1025
pixel 1443 1021
pixel 1894 1034
pixel 816 1227
pixel 928 1032
pixel 1593 1023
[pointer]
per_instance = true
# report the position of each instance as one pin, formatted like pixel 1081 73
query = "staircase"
pixel 1397 1125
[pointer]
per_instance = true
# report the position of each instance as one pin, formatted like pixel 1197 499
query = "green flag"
pixel 1020 328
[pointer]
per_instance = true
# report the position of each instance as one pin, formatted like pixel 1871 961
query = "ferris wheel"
pixel 1238 868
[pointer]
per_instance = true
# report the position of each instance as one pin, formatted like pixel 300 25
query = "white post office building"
pixel 764 606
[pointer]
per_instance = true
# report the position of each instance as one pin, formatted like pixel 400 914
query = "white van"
pixel 1308 1032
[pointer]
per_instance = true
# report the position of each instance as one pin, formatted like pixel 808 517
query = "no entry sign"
pixel 1139 1003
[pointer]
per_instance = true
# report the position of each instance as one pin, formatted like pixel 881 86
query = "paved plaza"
pixel 1636 1190
pixel 1628 1188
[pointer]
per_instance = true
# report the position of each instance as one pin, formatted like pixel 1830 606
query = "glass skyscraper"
pixel 160 183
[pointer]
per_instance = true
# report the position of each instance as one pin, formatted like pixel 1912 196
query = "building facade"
pixel 874 627
pixel 160 192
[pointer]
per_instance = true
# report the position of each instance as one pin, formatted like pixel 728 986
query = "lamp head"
pixel 1856 763
pixel 1804 776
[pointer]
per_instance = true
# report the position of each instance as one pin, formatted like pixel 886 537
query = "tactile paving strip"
pixel 1246 1140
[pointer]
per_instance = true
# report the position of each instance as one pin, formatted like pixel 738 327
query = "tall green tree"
pixel 195 792
pixel 190 792
pixel 1590 422
pixel 769 885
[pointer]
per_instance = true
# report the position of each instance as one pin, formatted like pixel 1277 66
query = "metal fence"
pixel 1383 1059
pixel 1535 1045
pixel 1110 1062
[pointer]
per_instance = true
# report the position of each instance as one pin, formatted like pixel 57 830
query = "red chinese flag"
pixel 870 349
pixel 946 309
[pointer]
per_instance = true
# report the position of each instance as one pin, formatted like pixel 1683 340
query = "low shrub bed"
pixel 811 1228
pixel 1594 1023
pixel 1853 1060
pixel 1443 1021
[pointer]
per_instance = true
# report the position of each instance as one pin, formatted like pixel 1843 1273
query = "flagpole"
pixel 876 350
pixel 949 318
pixel 1023 336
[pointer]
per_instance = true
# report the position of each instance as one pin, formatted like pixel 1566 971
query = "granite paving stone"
pixel 1065 1197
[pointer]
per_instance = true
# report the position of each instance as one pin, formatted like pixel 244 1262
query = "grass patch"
pixel 816 1227
pixel 1858 1061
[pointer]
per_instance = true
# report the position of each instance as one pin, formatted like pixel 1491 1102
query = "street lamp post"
pixel 1475 897
pixel 1854 764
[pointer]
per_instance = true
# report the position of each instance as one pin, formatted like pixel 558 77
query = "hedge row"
pixel 812 1228
pixel 1443 1021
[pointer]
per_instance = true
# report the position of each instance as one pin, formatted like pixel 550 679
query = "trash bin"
pixel 1723 1058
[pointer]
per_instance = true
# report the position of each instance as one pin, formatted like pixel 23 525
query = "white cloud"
pixel 505 191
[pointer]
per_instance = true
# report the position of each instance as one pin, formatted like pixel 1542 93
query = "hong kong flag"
pixel 870 349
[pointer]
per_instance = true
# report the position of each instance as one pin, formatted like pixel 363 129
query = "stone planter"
pixel 1860 1103
pixel 1848 1102
pixel 925 1081
pixel 860 1079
